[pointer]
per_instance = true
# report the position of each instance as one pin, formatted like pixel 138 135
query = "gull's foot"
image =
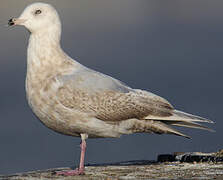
pixel 71 172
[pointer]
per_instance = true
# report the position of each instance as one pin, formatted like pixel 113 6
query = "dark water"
pixel 172 48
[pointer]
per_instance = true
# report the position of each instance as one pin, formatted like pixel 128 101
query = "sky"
pixel 171 48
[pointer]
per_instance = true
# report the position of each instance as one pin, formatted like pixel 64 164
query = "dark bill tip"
pixel 11 22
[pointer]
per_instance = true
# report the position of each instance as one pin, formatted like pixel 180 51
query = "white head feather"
pixel 40 18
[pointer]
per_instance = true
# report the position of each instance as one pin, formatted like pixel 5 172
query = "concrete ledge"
pixel 168 170
pixel 189 165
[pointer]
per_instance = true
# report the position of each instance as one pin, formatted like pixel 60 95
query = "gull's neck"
pixel 45 57
pixel 44 50
pixel 44 47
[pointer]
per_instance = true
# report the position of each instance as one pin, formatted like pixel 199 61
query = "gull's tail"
pixel 188 120
pixel 179 118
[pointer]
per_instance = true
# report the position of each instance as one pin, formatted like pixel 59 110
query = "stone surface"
pixel 169 170
pixel 142 169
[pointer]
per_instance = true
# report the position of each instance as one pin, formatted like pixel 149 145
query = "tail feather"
pixel 190 116
pixel 179 116
pixel 157 127
pixel 188 124
pixel 148 126
pixel 168 130
pixel 182 119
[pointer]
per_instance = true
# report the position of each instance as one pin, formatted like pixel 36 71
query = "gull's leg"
pixel 80 170
pixel 83 149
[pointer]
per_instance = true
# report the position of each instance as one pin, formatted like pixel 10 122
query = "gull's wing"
pixel 90 81
pixel 108 99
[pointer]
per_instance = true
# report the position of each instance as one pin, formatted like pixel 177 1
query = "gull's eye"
pixel 38 12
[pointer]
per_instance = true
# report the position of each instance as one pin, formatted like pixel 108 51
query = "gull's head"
pixel 38 17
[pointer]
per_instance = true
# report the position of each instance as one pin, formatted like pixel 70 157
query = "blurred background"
pixel 171 48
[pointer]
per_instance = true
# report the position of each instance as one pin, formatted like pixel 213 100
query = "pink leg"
pixel 83 149
pixel 80 170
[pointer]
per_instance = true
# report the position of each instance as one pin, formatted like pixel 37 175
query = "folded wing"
pixel 110 100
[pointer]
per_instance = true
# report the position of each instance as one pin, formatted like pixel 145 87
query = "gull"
pixel 74 100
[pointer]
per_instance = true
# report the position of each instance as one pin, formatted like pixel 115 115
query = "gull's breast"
pixel 41 91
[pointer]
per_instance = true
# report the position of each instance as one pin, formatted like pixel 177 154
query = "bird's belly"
pixel 47 112
pixel 67 121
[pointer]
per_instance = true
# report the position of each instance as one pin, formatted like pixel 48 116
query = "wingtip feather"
pixel 193 117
